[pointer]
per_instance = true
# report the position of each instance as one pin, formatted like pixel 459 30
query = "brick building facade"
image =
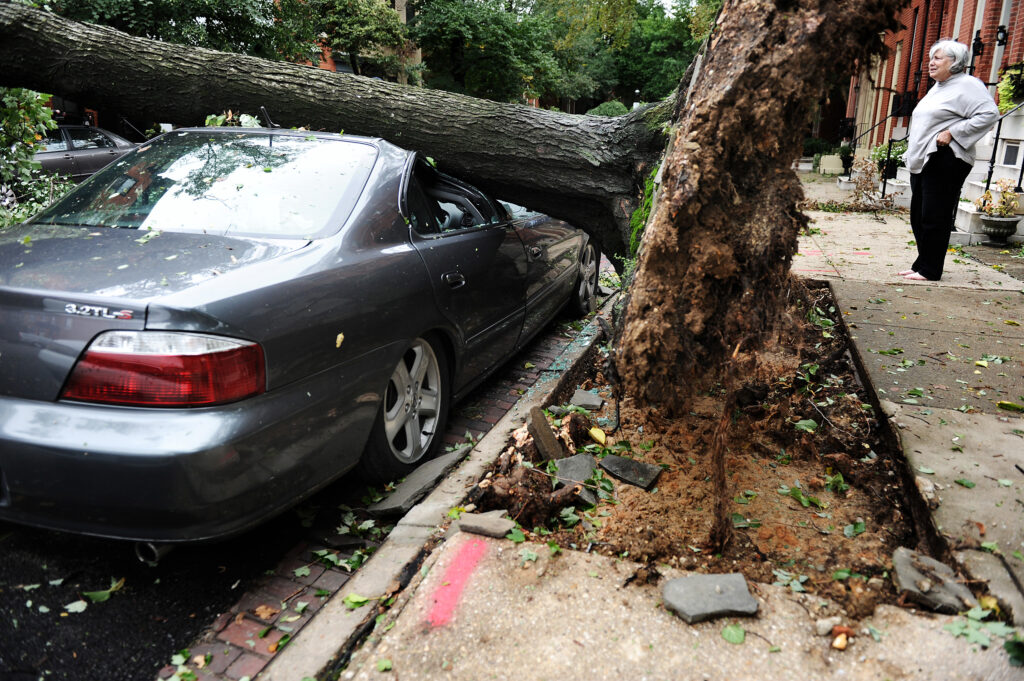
pixel 882 96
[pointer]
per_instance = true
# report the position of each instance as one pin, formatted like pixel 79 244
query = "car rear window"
pixel 219 182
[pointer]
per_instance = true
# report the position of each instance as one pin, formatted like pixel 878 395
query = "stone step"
pixel 968 227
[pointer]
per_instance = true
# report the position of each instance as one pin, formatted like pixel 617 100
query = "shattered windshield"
pixel 224 182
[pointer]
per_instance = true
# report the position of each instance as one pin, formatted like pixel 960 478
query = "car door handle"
pixel 454 279
pixel 535 252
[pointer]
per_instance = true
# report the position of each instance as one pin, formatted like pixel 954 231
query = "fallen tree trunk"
pixel 717 251
pixel 583 169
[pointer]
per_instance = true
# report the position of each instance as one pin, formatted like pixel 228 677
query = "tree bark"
pixel 583 169
pixel 717 250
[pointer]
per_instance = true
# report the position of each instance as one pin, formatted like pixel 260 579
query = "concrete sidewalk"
pixel 940 355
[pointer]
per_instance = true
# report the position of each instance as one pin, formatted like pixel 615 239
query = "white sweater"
pixel 961 104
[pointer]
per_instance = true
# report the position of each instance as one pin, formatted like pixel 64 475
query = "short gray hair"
pixel 958 52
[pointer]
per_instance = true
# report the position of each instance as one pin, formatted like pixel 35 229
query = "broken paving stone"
pixel 587 400
pixel 543 437
pixel 629 471
pixel 823 627
pixel 575 470
pixel 486 524
pixel 929 583
pixel 418 484
pixel 557 411
pixel 702 597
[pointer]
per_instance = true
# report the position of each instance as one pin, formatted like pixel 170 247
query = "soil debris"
pixel 808 486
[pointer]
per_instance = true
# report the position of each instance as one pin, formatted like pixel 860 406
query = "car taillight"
pixel 166 369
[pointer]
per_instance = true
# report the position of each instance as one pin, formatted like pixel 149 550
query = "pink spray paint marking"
pixel 446 596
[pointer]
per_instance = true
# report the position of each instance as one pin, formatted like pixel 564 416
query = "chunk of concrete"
pixel 543 437
pixel 632 472
pixel 586 399
pixel 575 470
pixel 929 583
pixel 489 525
pixel 418 484
pixel 703 597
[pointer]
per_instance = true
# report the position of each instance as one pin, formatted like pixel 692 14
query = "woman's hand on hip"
pixel 944 138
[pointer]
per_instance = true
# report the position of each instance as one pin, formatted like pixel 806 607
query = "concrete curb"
pixel 327 641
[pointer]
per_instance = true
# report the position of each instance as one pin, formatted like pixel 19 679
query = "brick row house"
pixel 882 96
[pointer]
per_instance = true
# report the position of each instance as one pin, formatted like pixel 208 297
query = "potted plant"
pixel 999 216
pixel 846 156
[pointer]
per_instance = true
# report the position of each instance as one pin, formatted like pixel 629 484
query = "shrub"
pixel 816 145
pixel 1010 87
pixel 612 108
pixel 898 149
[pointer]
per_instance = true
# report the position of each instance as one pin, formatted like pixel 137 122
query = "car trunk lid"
pixel 61 286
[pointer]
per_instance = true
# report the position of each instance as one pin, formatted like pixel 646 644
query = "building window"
pixel 1011 154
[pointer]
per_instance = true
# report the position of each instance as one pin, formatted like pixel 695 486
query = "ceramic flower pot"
pixel 999 229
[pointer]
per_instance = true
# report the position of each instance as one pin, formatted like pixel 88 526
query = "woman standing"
pixel 947 123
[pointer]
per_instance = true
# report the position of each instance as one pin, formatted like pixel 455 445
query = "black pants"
pixel 934 194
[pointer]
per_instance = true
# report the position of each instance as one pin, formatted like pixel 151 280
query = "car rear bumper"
pixel 182 474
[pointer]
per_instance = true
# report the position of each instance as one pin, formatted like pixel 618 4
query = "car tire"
pixel 409 428
pixel 584 295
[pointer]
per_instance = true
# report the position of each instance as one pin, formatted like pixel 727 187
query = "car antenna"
pixel 266 117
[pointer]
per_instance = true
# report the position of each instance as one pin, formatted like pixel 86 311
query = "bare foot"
pixel 914 276
pixel 904 273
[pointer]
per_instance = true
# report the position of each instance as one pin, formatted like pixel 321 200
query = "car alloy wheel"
pixel 412 403
pixel 586 286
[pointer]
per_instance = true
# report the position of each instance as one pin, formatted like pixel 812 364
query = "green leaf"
pixel 841 574
pixel 964 482
pixel 527 556
pixel 384 665
pixel 978 613
pixel 354 601
pixel 854 529
pixel 1015 649
pixel 925 470
pixel 999 628
pixel 734 633
pixel 806 425
pixel 990 546
pixel 104 595
pixel 516 535
pixel 553 548
pixel 301 571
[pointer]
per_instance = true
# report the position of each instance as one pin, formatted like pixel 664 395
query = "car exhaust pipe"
pixel 150 553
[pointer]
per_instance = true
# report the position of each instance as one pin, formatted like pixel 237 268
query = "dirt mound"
pixel 811 498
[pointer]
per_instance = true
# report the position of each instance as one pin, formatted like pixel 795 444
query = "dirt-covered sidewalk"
pixel 945 360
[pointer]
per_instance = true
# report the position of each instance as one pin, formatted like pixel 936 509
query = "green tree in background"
pixel 272 29
pixel 480 48
pixel 358 27
pixel 659 49
pixel 24 120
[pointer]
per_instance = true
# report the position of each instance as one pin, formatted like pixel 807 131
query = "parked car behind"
pixel 225 320
pixel 80 150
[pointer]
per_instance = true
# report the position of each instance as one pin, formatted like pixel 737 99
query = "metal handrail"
pixel 853 142
pixel 995 150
